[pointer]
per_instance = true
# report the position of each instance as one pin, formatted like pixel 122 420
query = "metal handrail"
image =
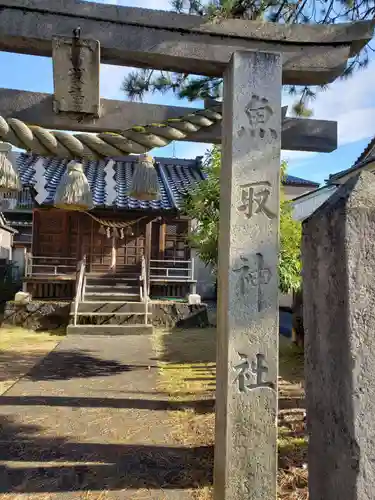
pixel 169 270
pixel 53 269
pixel 27 264
pixel 18 201
pixel 144 294
pixel 51 258
pixel 79 286
pixel 188 263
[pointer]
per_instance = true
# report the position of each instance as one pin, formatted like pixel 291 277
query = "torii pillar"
pixel 247 353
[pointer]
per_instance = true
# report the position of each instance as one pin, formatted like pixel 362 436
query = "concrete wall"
pixel 205 278
pixel 19 256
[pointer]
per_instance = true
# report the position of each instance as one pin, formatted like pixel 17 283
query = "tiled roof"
pixel 291 180
pixel 176 178
pixel 366 152
pixel 367 156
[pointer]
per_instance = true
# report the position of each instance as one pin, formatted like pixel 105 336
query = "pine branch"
pixel 137 84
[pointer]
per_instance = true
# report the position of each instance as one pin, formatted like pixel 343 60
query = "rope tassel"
pixel 9 180
pixel 73 192
pixel 145 183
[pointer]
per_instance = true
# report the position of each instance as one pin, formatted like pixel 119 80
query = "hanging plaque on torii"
pixel 76 74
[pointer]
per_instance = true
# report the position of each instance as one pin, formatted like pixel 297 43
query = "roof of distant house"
pixel 176 178
pixel 367 156
pixel 292 180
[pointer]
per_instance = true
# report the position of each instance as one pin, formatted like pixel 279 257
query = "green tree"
pixel 290 243
pixel 203 204
pixel 193 87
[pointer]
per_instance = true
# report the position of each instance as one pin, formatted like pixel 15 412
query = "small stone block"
pixel 194 299
pixel 22 298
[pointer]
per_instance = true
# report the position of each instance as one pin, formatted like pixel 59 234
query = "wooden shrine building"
pixel 116 235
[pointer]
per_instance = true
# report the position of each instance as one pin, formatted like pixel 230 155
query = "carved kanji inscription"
pixel 254 199
pixel 253 277
pixel 251 374
pixel 258 112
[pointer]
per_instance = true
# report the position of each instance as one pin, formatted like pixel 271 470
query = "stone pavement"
pixel 88 423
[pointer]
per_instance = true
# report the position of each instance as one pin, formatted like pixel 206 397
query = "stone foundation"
pixel 178 314
pixel 37 315
pixel 50 315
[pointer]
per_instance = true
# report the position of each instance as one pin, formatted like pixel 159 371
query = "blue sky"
pixel 350 102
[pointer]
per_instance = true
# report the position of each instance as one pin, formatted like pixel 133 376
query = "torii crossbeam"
pixel 177 42
pixel 116 116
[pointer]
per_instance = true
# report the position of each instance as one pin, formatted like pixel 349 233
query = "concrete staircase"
pixel 110 305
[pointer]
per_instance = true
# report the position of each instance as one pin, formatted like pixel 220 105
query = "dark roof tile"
pixel 176 178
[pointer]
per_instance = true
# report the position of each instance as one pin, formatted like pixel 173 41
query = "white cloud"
pixel 111 78
pixel 351 103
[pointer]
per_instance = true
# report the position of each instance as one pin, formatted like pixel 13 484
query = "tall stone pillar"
pixel 338 251
pixel 247 356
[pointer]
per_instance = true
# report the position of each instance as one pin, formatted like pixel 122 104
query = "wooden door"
pixel 131 248
pixel 54 245
pixel 48 233
pixel 101 251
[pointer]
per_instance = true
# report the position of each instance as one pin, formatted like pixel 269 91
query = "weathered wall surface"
pixel 338 253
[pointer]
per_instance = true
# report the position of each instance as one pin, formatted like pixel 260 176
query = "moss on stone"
pixel 140 129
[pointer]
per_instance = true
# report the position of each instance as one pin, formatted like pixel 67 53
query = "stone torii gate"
pixel 256 59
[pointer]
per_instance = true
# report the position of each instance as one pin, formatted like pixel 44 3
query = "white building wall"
pixel 307 205
pixel 291 192
pixel 6 242
pixel 205 278
pixel 19 256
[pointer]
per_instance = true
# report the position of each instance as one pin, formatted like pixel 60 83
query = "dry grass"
pixel 20 350
pixel 187 369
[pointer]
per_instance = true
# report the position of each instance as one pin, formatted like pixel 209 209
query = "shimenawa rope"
pixel 137 140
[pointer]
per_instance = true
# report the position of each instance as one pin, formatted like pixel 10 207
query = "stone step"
pixel 107 319
pixel 110 313
pixel 110 307
pixel 113 277
pixel 112 297
pixel 113 281
pixel 124 289
pixel 109 330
